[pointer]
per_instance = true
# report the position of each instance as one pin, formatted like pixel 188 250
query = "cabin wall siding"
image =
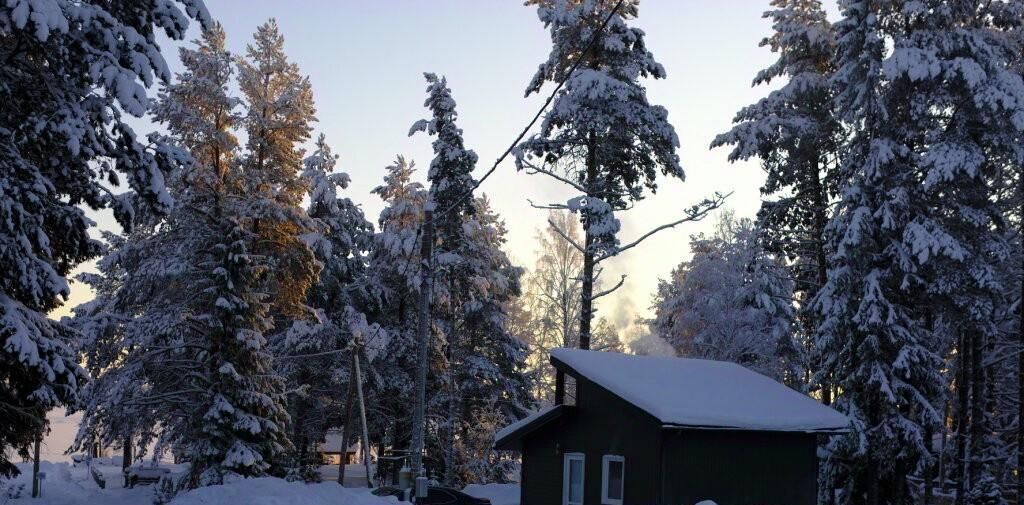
pixel 739 467
pixel 600 424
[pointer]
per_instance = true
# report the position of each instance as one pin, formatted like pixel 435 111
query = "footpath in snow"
pixel 68 485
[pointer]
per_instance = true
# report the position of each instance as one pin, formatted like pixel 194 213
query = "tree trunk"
pixel 587 287
pixel 942 451
pixel 978 393
pixel 820 220
pixel 586 295
pixel 346 431
pixel 1020 369
pixel 962 420
pixel 871 478
pixel 35 465
pixel 126 458
pixel 929 470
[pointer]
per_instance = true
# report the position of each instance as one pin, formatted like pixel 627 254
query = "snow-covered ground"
pixel 499 494
pixel 69 485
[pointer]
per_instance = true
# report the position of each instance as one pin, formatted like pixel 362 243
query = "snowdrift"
pixel 271 491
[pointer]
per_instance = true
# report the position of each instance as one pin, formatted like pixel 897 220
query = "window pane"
pixel 575 481
pixel 615 480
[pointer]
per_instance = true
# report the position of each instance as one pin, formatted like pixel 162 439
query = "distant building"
pixel 643 429
pixel 330 449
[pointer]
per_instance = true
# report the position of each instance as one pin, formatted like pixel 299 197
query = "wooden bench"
pixel 145 475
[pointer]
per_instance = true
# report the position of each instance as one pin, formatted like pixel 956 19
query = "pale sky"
pixel 366 58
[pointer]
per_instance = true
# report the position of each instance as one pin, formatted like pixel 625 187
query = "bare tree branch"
pixel 565 236
pixel 692 214
pixel 610 290
pixel 534 169
pixel 553 206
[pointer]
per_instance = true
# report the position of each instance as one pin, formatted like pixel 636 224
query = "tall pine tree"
pixel 582 141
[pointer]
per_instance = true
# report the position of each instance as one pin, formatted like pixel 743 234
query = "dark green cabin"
pixel 638 430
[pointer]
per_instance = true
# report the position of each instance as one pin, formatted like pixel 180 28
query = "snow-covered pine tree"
pixel 731 302
pixel 795 134
pixel 582 142
pixel 278 113
pixel 71 71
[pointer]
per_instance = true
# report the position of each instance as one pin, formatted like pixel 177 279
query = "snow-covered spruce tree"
pixel 70 72
pixel 731 302
pixel 139 329
pixel 393 280
pixel 1009 407
pixel 954 61
pixel 340 242
pixel 450 197
pixel 473 280
pixel 241 429
pixel 1012 21
pixel 279 110
pixel 344 234
pixel 582 141
pixel 872 339
pixel 487 362
pixel 205 362
pixel 915 236
pixel 795 134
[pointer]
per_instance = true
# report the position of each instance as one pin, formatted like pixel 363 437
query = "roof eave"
pixel 513 441
pixel 816 431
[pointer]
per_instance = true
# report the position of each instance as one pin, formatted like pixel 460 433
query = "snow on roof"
pixel 508 430
pixel 332 442
pixel 702 393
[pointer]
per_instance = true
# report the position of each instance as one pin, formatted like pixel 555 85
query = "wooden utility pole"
pixel 346 432
pixel 362 416
pixel 35 466
pixel 423 330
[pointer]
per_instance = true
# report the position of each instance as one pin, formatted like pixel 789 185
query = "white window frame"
pixel 605 460
pixel 566 460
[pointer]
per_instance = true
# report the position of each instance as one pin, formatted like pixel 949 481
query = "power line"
pixel 536 116
pixel 518 138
